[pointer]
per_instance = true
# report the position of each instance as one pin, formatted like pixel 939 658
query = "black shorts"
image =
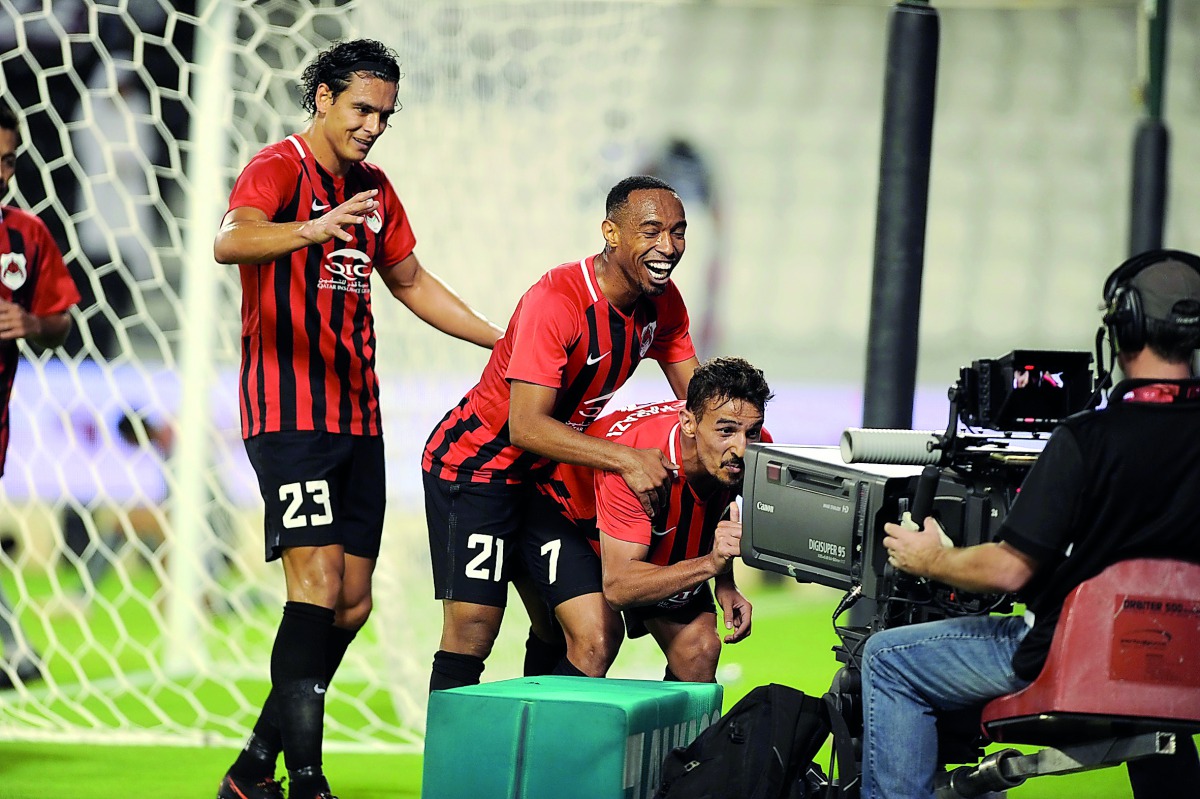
pixel 320 489
pixel 677 609
pixel 557 552
pixel 473 541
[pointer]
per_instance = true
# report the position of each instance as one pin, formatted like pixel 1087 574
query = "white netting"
pixel 138 589
pixel 137 596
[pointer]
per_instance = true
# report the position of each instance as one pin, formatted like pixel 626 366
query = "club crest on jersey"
pixel 647 338
pixel 375 221
pixel 350 270
pixel 13 272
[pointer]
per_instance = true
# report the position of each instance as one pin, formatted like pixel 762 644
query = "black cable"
pixel 1103 381
pixel 847 602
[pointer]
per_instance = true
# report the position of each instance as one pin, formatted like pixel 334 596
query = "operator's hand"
pixel 738 611
pixel 16 322
pixel 727 540
pixel 648 474
pixel 914 551
pixel 334 223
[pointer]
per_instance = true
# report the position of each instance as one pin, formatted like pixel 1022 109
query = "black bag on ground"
pixel 762 749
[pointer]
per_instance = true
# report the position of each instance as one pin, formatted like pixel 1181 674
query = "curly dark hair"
pixel 618 195
pixel 727 379
pixel 334 65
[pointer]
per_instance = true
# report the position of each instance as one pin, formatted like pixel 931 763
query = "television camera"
pixel 817 513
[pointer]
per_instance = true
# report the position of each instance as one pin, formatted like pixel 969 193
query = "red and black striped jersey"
pixel 308 334
pixel 682 529
pixel 566 336
pixel 32 275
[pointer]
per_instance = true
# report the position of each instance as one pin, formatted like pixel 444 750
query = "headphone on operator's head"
pixel 1124 316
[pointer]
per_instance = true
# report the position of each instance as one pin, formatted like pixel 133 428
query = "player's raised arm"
pixel 247 236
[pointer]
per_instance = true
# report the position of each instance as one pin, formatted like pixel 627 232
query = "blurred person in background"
pixel 100 535
pixel 596 555
pixel 36 293
pixel 309 221
pixel 680 163
pixel 98 540
pixel 115 150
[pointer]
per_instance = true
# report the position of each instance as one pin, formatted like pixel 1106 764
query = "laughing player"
pixel 574 339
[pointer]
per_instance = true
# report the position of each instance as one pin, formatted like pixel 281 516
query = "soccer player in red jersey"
pixel 36 292
pixel 593 552
pixel 308 222
pixel 574 339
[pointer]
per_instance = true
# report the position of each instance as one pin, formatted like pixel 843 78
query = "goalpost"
pixel 140 608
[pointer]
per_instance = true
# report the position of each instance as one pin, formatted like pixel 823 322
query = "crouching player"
pixel 595 553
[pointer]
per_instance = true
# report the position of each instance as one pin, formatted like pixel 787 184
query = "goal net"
pixel 136 606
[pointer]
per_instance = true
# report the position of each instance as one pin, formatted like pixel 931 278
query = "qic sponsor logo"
pixel 590 411
pixel 350 270
pixel 680 599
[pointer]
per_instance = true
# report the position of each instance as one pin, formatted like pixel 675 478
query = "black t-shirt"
pixel 1113 484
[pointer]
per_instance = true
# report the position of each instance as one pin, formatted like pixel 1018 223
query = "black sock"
pixel 256 761
pixel 258 757
pixel 306 782
pixel 453 670
pixel 298 681
pixel 542 657
pixel 335 649
pixel 567 669
pixel 669 676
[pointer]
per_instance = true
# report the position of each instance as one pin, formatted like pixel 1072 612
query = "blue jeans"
pixel 910 672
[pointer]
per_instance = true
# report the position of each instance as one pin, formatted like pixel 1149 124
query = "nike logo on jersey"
pixel 318 689
pixel 592 361
pixel 319 207
pixel 661 533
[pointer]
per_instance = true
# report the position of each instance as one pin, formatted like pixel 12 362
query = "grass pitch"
pixel 791 644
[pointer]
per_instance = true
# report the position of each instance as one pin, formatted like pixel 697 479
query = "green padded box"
pixel 556 737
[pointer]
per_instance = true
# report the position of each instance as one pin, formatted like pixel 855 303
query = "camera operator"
pixel 1112 484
